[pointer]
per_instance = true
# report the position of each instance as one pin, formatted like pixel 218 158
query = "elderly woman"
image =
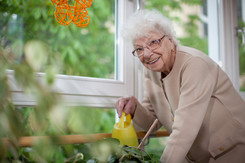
pixel 189 93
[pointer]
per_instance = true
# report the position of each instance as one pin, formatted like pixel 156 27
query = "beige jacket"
pixel 197 104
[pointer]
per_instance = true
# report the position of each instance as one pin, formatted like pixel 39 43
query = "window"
pixel 229 48
pixel 188 19
pixel 94 72
pixel 75 49
pixel 204 18
pixel 241 43
pixel 102 89
pixel 204 8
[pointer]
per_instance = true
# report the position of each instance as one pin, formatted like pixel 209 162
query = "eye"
pixel 153 42
pixel 139 49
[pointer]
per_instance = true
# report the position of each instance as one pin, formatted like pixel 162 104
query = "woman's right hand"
pixel 126 104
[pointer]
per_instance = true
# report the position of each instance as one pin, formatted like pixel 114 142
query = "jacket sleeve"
pixel 145 115
pixel 197 84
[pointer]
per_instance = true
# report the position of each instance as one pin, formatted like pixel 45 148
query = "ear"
pixel 171 39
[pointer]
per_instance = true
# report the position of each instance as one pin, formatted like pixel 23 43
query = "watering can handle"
pixel 121 120
pixel 128 119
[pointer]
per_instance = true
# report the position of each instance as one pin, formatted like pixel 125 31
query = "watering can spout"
pixel 124 131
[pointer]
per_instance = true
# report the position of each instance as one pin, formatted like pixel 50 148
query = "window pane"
pixel 241 25
pixel 204 7
pixel 28 29
pixel 190 28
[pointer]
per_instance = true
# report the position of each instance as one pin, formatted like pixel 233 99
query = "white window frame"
pixel 213 31
pixel 93 92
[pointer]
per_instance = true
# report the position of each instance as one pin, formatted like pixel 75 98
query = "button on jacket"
pixel 198 106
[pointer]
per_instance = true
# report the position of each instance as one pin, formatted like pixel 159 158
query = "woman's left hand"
pixel 126 104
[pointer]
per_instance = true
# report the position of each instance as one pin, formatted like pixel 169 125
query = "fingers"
pixel 130 106
pixel 126 104
pixel 120 106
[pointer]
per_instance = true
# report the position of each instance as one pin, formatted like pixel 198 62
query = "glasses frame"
pixel 158 41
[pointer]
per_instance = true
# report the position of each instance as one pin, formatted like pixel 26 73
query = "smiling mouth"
pixel 151 62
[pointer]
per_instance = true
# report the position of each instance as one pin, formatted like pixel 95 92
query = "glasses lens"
pixel 154 44
pixel 139 53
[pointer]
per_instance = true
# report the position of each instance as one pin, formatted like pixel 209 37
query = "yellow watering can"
pixel 124 131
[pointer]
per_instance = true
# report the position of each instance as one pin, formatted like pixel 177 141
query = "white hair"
pixel 144 21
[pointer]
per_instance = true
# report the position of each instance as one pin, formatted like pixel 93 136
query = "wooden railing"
pixel 28 141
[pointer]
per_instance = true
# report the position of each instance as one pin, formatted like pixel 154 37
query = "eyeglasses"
pixel 154 44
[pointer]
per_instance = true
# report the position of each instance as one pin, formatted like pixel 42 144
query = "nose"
pixel 147 53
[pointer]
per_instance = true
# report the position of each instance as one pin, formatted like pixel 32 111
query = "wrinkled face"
pixel 160 59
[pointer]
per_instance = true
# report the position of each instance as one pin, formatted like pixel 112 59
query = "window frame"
pixel 213 31
pixel 93 92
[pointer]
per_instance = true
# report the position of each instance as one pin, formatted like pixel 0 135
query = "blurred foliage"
pixel 49 117
pixel 106 150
